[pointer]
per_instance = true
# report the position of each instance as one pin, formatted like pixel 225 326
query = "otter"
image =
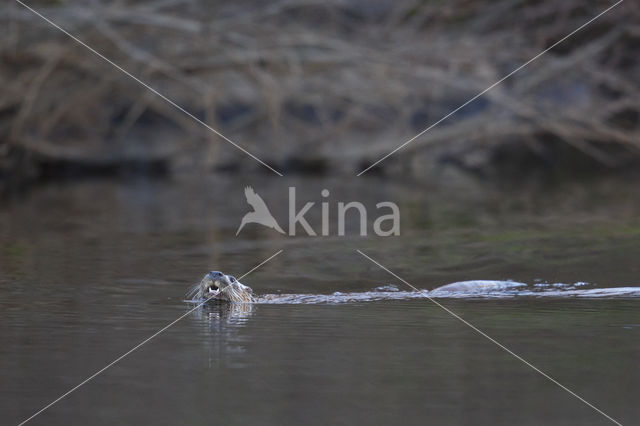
pixel 477 286
pixel 218 286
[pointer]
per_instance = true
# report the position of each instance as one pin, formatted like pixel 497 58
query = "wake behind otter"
pixel 479 289
pixel 502 290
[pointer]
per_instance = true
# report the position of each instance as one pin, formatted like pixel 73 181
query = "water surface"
pixel 89 270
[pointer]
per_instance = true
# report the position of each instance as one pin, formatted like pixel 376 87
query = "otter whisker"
pixel 195 292
pixel 238 293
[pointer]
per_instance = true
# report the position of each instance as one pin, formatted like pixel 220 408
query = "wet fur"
pixel 226 289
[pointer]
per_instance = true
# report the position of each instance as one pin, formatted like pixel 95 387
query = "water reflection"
pixel 220 325
pixel 229 313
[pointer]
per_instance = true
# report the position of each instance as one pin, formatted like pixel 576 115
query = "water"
pixel 87 271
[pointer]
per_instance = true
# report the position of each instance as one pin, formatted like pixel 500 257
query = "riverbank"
pixel 319 88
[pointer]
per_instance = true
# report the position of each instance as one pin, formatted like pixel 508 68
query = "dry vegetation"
pixel 317 84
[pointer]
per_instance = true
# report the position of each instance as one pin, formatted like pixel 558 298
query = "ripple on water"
pixel 479 289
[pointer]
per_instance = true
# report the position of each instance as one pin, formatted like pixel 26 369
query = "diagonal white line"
pixel 148 87
pixel 145 341
pixel 490 87
pixel 259 265
pixel 500 345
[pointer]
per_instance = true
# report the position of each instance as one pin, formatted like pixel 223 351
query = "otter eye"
pixel 233 279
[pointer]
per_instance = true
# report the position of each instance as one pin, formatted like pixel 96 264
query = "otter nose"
pixel 216 275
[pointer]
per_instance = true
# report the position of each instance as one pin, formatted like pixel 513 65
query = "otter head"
pixel 219 286
pixel 214 283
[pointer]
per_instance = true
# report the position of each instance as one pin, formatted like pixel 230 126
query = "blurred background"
pixel 319 87
pixel 113 203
